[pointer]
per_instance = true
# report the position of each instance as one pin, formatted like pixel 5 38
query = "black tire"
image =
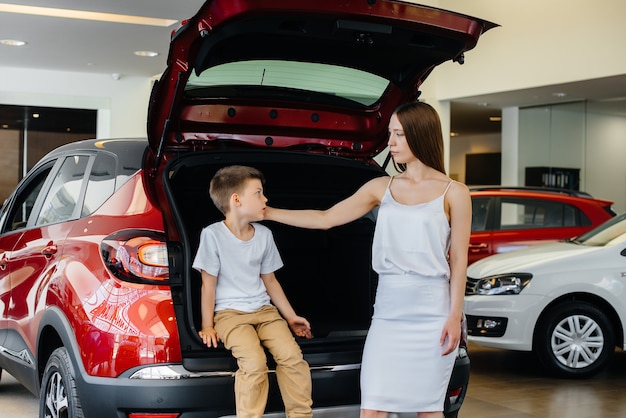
pixel 574 340
pixel 58 397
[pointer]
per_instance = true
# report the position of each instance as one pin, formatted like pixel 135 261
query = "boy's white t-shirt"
pixel 238 265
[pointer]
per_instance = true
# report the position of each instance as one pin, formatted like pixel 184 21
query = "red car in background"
pixel 510 218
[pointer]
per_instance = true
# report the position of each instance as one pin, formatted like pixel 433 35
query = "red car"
pixel 509 218
pixel 99 305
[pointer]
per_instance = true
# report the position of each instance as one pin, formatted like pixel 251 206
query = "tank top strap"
pixel 390 180
pixel 448 187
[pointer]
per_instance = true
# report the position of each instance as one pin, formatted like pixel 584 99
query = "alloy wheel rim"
pixel 577 341
pixel 56 397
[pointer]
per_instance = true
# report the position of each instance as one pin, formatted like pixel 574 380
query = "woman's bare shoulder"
pixel 459 187
pixel 458 192
pixel 377 186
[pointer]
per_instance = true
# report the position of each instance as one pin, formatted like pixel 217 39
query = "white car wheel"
pixel 575 339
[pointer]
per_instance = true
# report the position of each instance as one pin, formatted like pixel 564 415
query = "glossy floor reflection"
pixel 506 384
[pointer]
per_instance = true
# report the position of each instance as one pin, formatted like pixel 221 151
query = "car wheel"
pixel 58 397
pixel 575 340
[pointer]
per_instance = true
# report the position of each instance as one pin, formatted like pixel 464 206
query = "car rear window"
pixel 536 213
pixel 302 81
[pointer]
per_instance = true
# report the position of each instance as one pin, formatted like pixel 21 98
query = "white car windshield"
pixel 612 232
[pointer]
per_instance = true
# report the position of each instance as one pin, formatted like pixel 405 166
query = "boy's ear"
pixel 234 199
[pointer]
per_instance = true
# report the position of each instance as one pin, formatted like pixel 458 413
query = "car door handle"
pixel 49 250
pixel 477 247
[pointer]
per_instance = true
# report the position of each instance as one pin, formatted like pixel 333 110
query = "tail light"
pixel 138 256
pixel 454 395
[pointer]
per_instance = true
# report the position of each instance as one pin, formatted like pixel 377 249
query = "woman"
pixel 420 254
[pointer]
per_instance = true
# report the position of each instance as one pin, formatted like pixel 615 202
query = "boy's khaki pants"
pixel 245 334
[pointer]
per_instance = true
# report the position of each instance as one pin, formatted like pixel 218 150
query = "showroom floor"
pixel 507 384
pixel 503 384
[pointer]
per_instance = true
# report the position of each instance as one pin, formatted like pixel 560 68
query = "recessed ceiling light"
pixel 495 118
pixel 453 134
pixel 85 15
pixel 146 53
pixel 12 42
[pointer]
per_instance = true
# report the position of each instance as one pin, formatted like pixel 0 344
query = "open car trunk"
pixel 327 274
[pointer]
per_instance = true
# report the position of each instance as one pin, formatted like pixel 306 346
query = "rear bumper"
pixel 207 397
pixel 213 397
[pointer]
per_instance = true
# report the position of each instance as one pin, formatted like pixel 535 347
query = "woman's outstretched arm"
pixel 361 202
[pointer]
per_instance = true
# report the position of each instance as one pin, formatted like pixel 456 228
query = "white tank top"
pixel 412 239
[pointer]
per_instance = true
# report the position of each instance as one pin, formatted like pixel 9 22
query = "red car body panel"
pixel 495 240
pixel 117 324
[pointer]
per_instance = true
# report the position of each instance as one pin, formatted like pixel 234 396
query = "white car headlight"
pixel 503 284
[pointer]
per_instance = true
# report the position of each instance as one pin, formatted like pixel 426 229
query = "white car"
pixel 565 301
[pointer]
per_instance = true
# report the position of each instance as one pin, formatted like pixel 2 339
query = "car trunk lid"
pixel 276 73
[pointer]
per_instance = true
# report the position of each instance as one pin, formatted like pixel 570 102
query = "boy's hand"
pixel 301 327
pixel 209 336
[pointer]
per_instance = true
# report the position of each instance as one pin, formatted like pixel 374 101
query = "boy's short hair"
pixel 229 180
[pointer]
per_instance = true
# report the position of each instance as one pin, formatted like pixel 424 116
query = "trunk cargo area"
pixel 327 275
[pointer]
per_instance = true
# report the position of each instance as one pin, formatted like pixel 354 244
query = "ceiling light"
pixel 146 53
pixel 85 15
pixel 559 94
pixel 495 118
pixel 12 42
pixel 453 134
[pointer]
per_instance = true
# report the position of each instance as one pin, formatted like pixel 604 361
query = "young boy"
pixel 241 297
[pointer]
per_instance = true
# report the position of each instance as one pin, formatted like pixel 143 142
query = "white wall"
pixel 538 43
pixel 605 174
pixel 122 104
pixel 470 144
pixel 553 136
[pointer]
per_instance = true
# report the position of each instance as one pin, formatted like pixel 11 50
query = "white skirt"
pixel 402 368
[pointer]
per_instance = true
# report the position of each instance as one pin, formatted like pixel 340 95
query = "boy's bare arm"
pixel 299 325
pixel 207 300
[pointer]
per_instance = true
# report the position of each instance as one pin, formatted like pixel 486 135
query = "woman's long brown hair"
pixel 422 130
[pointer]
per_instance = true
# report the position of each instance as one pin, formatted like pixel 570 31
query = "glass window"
pixel 24 202
pixel 30 132
pixel 480 210
pixel 308 81
pixel 101 183
pixel 535 213
pixel 64 192
pixel 611 232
